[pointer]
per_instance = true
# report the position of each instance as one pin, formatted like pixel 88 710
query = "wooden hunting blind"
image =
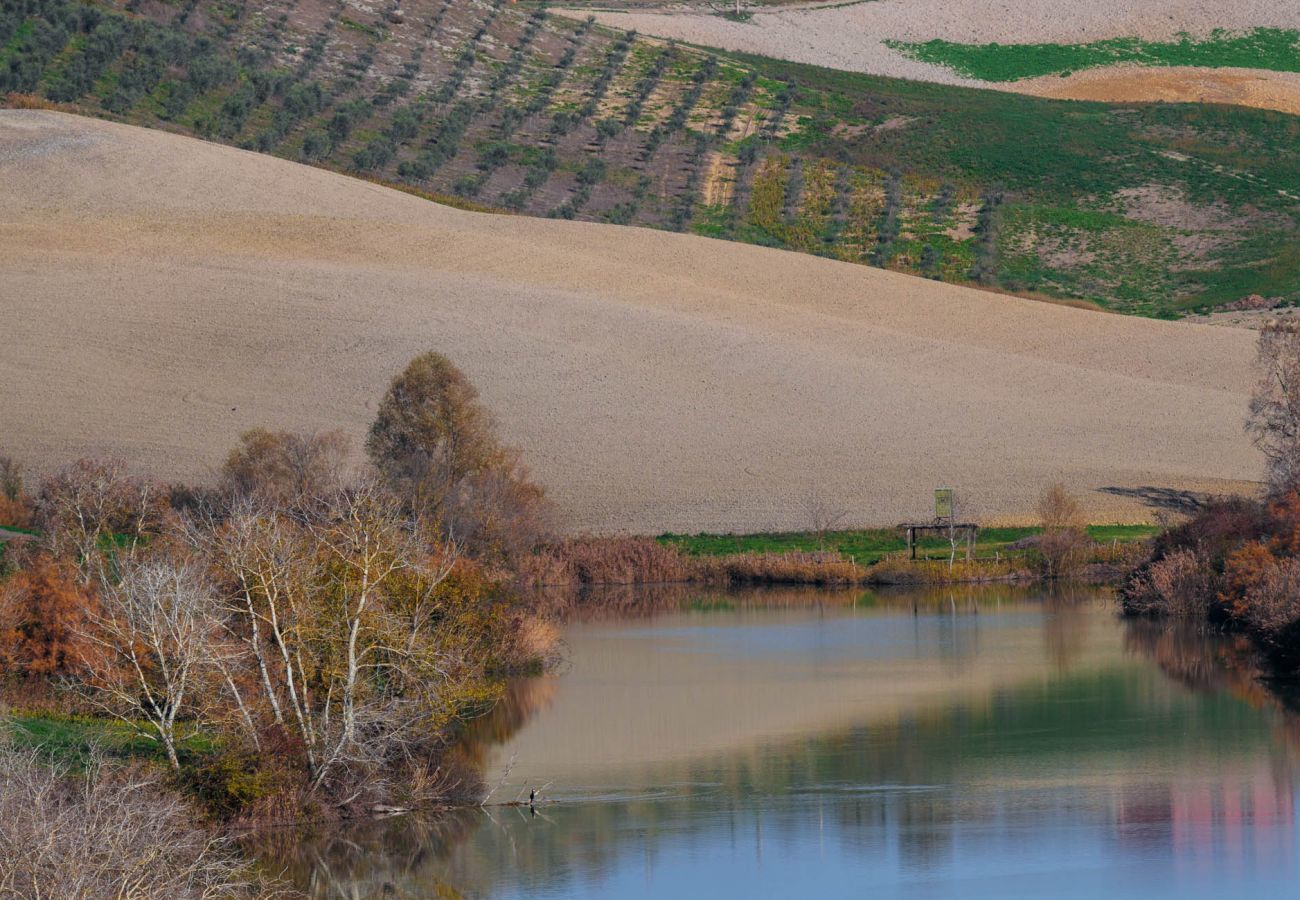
pixel 945 513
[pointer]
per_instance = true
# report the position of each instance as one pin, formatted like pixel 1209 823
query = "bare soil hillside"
pixel 158 295
pixel 1177 84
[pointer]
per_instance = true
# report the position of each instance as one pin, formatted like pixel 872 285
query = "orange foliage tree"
pixel 43 613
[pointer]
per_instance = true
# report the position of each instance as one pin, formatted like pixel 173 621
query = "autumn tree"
pixel 431 432
pixel 359 636
pixel 15 505
pixel 11 478
pixel 43 614
pixel 282 467
pixel 435 446
pixel 1274 419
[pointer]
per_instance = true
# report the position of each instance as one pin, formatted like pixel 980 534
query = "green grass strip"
pixel 870 545
pixel 1275 49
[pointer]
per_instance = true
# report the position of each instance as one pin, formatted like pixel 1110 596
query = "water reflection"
pixel 795 743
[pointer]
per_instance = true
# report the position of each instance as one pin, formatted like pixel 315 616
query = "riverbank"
pixel 843 557
pixel 1236 566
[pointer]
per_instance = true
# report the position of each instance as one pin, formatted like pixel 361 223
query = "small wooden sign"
pixel 943 503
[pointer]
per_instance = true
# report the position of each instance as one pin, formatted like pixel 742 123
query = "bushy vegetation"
pixel 1277 49
pixel 304 637
pixel 519 109
pixel 100 830
pixel 1062 547
pixel 1237 562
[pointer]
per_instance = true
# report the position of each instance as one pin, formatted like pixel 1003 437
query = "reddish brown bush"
pixel 15 505
pixel 1283 522
pixel 611 560
pixel 16 513
pixel 781 568
pixel 1182 584
pixel 43 613
pixel 1220 528
pixel 1242 570
pixel 1269 591
pixel 15 100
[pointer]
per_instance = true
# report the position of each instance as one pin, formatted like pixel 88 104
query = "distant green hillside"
pixel 1149 209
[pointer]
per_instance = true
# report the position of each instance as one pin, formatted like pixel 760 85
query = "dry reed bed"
pixel 583 562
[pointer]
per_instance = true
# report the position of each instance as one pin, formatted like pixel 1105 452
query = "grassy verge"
pixel 867 546
pixel 71 738
pixel 1276 49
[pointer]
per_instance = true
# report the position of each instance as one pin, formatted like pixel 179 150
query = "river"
pixel 970 742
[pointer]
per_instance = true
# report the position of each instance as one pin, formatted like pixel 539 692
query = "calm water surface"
pixel 794 744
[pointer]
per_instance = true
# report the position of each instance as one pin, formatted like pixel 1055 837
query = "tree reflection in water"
pixel 1126 743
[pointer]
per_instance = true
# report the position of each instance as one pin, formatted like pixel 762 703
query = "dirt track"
pixel 852 37
pixel 158 295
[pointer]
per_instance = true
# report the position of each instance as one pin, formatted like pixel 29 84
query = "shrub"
pixel 610 560
pixel 1182 585
pixel 1282 517
pixel 281 467
pixel 1219 528
pixel 104 832
pixel 1063 545
pixel 241 783
pixel 1265 598
pixel 43 616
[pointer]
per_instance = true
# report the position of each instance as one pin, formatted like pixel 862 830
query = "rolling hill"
pixel 1153 209
pixel 162 294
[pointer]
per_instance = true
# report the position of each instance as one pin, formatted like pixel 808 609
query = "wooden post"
pixel 911 542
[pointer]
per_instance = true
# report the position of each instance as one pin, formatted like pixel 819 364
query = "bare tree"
pixel 94 831
pixel 1274 420
pixel 339 619
pixel 96 514
pixel 823 514
pixel 155 631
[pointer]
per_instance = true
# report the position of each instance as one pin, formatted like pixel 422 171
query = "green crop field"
pixel 1275 49
pixel 1147 209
